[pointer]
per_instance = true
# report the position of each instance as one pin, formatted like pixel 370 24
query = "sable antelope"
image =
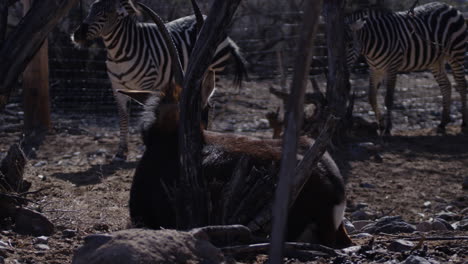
pixel 137 58
pixel 320 205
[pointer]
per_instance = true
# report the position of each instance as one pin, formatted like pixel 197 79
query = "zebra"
pixel 138 58
pixel 424 38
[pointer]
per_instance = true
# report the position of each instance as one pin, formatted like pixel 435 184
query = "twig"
pixel 34 192
pixel 290 247
pixel 16 197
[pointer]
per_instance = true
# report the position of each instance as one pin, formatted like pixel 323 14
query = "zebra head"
pixel 103 17
pixel 353 41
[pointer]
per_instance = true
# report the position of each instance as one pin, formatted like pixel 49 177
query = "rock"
pixel 363 235
pixel 41 240
pixel 362 215
pixel 349 226
pixel 465 183
pixel 462 225
pixel 134 246
pixel 389 225
pixel 418 260
pixel 2 260
pixel 464 212
pixel 351 250
pixel 424 226
pixel 367 185
pixel 28 222
pixel 68 233
pixel 361 223
pixel 400 245
pixel 448 216
pixel 42 247
pixel 443 222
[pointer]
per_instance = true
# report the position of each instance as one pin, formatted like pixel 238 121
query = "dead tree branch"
pixel 293 119
pixel 21 44
pixel 197 208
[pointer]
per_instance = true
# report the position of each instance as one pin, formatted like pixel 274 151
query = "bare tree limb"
pixel 293 119
pixel 197 209
pixel 21 44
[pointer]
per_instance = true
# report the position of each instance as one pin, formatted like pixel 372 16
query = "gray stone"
pixel 134 246
pixel 462 225
pixel 363 235
pixel 361 223
pixel 400 245
pixel 349 226
pixel 424 226
pixel 41 240
pixel 68 233
pixel 418 260
pixel 28 222
pixel 464 212
pixel 445 223
pixel 390 225
pixel 362 215
pixel 448 216
pixel 42 247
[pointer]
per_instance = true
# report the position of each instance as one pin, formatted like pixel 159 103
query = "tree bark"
pixel 3 20
pixel 338 76
pixel 293 119
pixel 21 44
pixel 196 211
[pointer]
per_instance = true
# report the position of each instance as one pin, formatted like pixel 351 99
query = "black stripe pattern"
pixel 425 38
pixel 137 57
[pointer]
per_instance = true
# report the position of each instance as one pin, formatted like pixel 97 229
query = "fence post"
pixel 36 90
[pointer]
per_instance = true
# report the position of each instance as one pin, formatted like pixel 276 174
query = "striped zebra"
pixel 425 38
pixel 138 58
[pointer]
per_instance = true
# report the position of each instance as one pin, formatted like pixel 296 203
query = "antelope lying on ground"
pixel 320 205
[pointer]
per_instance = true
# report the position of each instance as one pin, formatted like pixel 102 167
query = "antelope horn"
pixel 198 15
pixel 176 65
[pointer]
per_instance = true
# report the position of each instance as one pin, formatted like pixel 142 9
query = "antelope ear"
pixel 357 25
pixel 140 96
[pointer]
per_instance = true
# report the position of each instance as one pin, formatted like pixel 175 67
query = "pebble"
pixel 400 245
pixel 389 225
pixel 361 223
pixel 461 225
pixel 363 235
pixel 424 226
pixel 448 216
pixel 362 215
pixel 42 247
pixel 41 240
pixel 367 185
pixel 68 233
pixel 418 260
pixel 40 163
pixel 349 226
pixel 445 223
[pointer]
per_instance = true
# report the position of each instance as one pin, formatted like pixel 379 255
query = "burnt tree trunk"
pixel 36 92
pixel 195 198
pixel 21 44
pixel 338 86
pixel 293 119
pixel 3 20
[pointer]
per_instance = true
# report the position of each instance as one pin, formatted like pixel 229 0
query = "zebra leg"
pixel 374 83
pixel 389 98
pixel 445 88
pixel 458 70
pixel 122 102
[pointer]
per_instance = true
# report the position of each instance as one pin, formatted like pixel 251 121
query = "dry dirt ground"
pixel 415 174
